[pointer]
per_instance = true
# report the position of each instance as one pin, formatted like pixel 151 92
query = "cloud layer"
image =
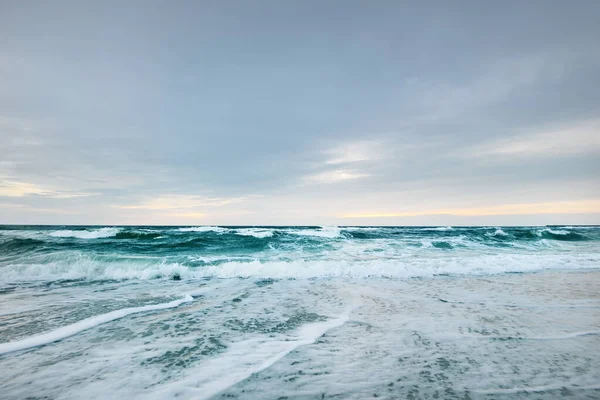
pixel 303 113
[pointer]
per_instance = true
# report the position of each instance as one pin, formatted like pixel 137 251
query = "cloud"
pixel 354 152
pixel 334 176
pixel 582 137
pixel 21 207
pixel 505 77
pixel 184 215
pixel 347 161
pixel 381 114
pixel 21 189
pixel 169 202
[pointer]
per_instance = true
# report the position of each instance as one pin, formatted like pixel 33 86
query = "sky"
pixel 300 112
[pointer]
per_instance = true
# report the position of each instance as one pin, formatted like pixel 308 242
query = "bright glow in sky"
pixel 306 113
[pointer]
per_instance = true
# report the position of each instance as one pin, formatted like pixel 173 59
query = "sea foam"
pixel 85 234
pixel 371 267
pixel 242 360
pixel 73 329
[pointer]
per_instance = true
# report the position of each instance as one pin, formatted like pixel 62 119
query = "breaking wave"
pixel 85 234
pixel 97 253
pixel 92 270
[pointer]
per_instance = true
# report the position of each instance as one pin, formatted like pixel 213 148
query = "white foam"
pixel 216 229
pixel 499 232
pixel 362 228
pixel 529 389
pixel 242 360
pixel 330 232
pixel 94 234
pixel 572 335
pixel 566 336
pixel 260 233
pixel 552 231
pixel 439 228
pixel 73 329
pixel 337 265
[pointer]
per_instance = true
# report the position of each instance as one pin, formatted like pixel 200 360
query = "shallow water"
pixel 299 313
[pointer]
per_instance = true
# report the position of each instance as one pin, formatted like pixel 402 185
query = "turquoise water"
pixel 97 253
pixel 299 312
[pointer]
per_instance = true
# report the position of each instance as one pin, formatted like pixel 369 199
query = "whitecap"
pixel 439 228
pixel 497 232
pixel 85 234
pixel 216 229
pixel 330 232
pixel 351 265
pixel 552 231
pixel 260 233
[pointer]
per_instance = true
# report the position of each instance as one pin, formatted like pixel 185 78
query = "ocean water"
pixel 204 312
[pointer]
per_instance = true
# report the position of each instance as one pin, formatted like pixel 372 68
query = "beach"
pixel 252 330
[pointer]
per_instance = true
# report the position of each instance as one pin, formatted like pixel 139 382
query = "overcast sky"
pixel 300 112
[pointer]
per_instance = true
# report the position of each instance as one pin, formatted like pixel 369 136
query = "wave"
pixel 498 232
pixel 476 235
pixel 554 232
pixel 138 235
pixel 88 323
pixel 94 270
pixel 85 234
pixel 330 232
pixel 561 235
pixel 442 245
pixel 216 229
pixel 363 228
pixel 17 245
pixel 255 232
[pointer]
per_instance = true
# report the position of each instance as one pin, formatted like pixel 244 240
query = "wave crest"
pixel 92 269
pixel 85 234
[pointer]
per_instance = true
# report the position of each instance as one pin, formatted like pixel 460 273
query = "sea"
pixel 288 312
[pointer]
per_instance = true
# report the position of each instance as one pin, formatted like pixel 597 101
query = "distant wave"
pixel 85 234
pixel 255 232
pixel 330 232
pixel 139 235
pixel 216 229
pixel 473 234
pixel 562 235
pixel 499 232
pixel 258 232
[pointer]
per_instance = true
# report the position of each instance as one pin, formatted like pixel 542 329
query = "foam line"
pixel 533 389
pixel 573 335
pixel 566 336
pixel 242 360
pixel 73 329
